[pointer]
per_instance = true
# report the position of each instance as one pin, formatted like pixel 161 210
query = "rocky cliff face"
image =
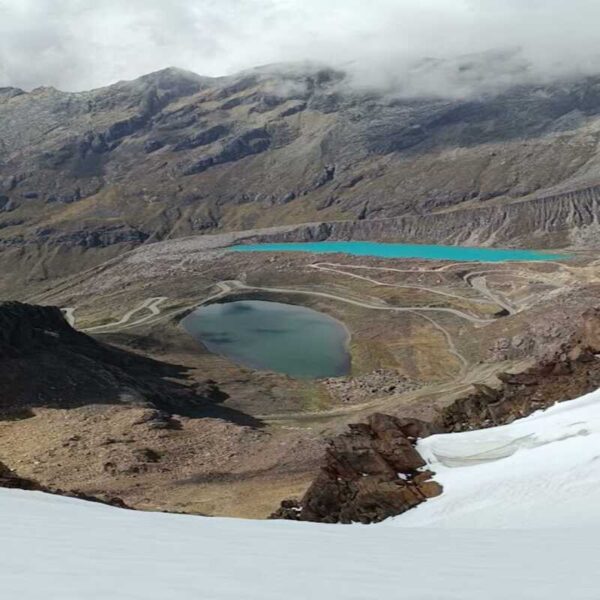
pixel 45 362
pixel 555 220
pixel 88 175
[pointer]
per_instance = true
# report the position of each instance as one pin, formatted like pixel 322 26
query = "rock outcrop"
pixel 369 474
pixel 540 219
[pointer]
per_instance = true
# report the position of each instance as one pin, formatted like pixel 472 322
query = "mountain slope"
pixel 85 176
pixel 522 540
pixel 45 362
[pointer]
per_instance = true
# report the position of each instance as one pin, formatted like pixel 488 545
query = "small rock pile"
pixel 380 382
pixel 370 473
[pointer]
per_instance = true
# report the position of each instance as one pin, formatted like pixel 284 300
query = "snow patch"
pixel 538 472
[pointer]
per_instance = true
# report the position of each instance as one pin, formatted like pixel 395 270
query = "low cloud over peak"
pixel 425 47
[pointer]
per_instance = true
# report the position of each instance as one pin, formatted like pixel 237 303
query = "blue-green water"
pixel 272 336
pixel 381 250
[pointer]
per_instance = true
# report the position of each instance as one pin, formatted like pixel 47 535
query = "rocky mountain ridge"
pixel 85 176
pixel 373 471
pixel 568 370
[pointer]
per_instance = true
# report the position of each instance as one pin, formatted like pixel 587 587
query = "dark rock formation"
pixel 370 473
pixel 203 138
pixel 6 204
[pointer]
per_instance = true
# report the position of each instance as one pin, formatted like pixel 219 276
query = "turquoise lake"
pixel 382 250
pixel 273 336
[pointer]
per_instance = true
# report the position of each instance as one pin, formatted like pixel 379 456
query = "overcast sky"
pixel 81 44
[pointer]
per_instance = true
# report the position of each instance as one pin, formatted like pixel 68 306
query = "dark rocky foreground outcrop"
pixel 10 480
pixel 369 474
pixel 44 362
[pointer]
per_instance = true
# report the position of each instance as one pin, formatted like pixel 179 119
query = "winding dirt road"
pixel 150 304
pixel 156 314
pixel 225 287
pixel 331 269
pixel 151 311
pixel 407 309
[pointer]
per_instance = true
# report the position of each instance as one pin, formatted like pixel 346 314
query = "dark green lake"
pixel 272 336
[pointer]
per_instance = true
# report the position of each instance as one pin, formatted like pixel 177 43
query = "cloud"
pixel 80 44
